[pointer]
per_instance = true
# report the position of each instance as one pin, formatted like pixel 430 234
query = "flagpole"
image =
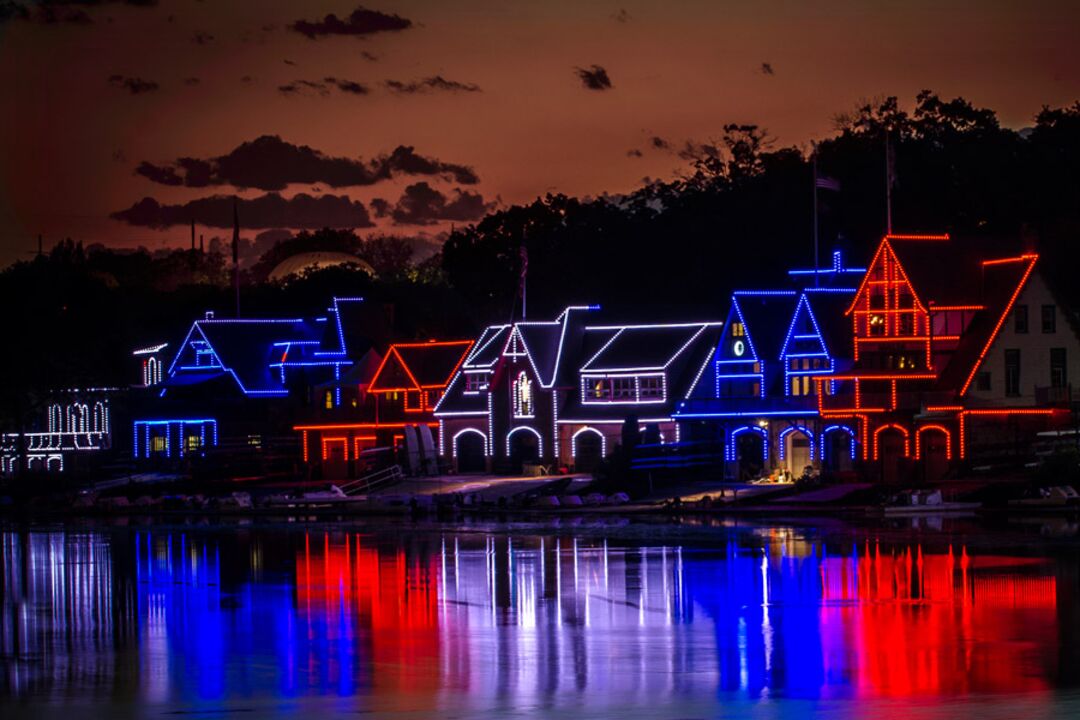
pixel 888 186
pixel 816 263
pixel 236 254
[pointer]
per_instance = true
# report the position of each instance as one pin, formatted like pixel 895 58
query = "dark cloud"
pixel 270 163
pixel 323 87
pixel 422 204
pixel 767 69
pixel 266 211
pixel 247 79
pixel 694 151
pixel 594 78
pixel 134 85
pixel 360 22
pixel 436 82
pixel 633 153
pixel 288 62
pixel 659 143
pixel 621 16
pixel 304 87
pixel 348 86
pixel 53 12
pixel 370 56
pixel 201 38
pixel 191 81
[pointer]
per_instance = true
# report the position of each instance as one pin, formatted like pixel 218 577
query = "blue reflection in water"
pixel 428 621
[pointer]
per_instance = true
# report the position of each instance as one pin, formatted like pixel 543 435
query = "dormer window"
pixel 476 382
pixel 523 396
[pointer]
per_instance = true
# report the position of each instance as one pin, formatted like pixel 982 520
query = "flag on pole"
pixel 524 272
pixel 827 183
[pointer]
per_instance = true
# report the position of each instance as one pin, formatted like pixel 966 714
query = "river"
pixel 584 619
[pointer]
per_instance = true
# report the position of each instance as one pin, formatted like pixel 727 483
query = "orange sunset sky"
pixel 94 88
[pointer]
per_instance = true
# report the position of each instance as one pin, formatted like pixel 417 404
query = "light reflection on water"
pixel 398 622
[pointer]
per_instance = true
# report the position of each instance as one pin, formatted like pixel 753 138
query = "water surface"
pixel 416 621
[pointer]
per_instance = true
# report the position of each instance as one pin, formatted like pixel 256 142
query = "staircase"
pixel 379 479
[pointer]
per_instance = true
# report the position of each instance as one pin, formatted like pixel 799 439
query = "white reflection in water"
pixel 498 621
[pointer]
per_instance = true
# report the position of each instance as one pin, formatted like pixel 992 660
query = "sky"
pixel 121 121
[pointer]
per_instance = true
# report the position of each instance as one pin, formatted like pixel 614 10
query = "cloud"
pixel 767 69
pixel 271 210
pixel 191 81
pixel 322 87
pixel 54 12
pixel 201 38
pixel 633 153
pixel 270 163
pixel 422 204
pixel 360 22
pixel 304 87
pixel 594 78
pixel 134 85
pixel 621 16
pixel 436 82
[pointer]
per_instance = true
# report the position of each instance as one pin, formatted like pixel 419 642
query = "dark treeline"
pixel 738 216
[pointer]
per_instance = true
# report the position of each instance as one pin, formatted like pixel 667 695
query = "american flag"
pixel 827 183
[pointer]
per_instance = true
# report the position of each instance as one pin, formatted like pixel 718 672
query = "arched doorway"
pixel 587 446
pixel 797 449
pixel 749 451
pixel 837 448
pixel 470 452
pixel 523 446
pixel 932 448
pixel 890 447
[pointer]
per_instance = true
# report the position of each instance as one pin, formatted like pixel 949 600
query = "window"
pixel 801 385
pixel 1020 320
pixel 1059 374
pixel 982 381
pixel 329 400
pixel 737 330
pixel 1049 319
pixel 433 397
pixel 475 382
pixel 523 396
pixel 412 401
pixel 193 443
pixel 652 387
pixel 601 389
pixel 907 324
pixel 158 443
pixel 877 324
pixel 622 388
pixel 1012 372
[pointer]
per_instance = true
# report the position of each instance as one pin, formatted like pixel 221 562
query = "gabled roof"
pixel 835 328
pixel 245 349
pixel 420 366
pixel 766 316
pixel 1004 279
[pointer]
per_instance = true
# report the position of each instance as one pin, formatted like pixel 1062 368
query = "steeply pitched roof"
pixel 835 327
pixel 420 365
pixel 1003 281
pixel 767 317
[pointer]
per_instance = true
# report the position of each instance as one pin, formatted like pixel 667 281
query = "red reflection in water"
pixel 386 602
pixel 901 623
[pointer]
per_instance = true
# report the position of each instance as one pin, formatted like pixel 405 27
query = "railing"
pixel 1053 395
pixel 380 478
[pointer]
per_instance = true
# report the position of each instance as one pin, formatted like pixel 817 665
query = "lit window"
pixel 523 396
pixel 329 400
pixel 193 443
pixel 158 443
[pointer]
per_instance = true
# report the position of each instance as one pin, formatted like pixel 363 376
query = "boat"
pixel 925 502
pixel 1056 496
